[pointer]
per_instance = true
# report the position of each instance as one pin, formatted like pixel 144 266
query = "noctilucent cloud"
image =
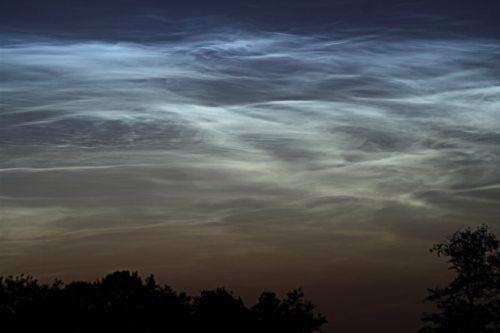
pixel 254 154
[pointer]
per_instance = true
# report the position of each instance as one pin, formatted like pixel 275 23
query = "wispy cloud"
pixel 252 133
pixel 330 161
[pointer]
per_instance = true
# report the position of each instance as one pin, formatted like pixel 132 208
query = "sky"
pixel 258 145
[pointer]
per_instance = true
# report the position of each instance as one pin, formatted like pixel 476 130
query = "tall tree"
pixel 470 303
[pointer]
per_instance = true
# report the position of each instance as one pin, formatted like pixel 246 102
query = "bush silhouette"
pixel 124 302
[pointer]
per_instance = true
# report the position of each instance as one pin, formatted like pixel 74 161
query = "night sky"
pixel 257 145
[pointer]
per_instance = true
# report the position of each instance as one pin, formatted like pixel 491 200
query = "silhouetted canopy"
pixel 124 302
pixel 470 303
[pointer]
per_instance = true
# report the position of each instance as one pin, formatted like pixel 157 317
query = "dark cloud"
pixel 153 19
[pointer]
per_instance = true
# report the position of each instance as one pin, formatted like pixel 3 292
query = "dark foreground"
pixel 123 302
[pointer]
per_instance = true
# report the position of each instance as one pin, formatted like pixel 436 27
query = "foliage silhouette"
pixel 471 301
pixel 124 302
pixel 292 314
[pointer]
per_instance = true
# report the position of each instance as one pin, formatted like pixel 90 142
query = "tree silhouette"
pixel 470 303
pixel 291 315
pixel 219 311
pixel 124 302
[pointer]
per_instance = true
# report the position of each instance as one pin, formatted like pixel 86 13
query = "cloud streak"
pixel 361 116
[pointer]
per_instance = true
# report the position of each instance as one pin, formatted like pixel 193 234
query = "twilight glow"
pixel 249 158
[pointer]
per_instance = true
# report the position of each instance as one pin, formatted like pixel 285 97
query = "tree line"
pixel 125 302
